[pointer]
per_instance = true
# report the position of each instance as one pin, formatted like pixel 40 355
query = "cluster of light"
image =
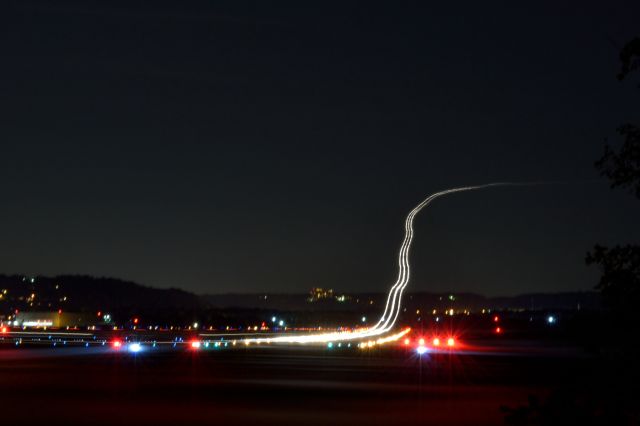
pixel 393 337
pixel 436 342
pixel 386 339
pixel 38 323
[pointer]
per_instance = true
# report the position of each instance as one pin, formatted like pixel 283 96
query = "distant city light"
pixel 38 323
pixel 273 319
pixel 364 319
pixel 551 319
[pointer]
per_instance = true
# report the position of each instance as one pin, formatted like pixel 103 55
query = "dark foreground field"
pixel 277 386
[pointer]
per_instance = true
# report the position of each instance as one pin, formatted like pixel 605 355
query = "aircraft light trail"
pixel 394 297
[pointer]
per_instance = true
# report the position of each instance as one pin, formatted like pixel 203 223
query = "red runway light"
pixel 195 344
pixel 117 344
pixel 406 342
pixel 436 342
pixel 4 330
pixel 421 342
pixel 498 330
pixel 496 319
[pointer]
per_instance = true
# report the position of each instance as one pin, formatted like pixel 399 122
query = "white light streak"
pixel 394 297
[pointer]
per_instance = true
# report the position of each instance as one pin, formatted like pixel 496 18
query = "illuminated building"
pixel 53 319
pixel 318 293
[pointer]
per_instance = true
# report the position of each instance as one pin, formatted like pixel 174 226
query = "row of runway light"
pixel 421 347
pixel 394 297
pixel 137 346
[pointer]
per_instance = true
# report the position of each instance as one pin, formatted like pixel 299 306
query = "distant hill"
pixel 423 300
pixel 85 293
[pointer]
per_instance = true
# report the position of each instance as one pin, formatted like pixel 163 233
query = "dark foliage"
pixel 630 58
pixel 622 167
pixel 620 280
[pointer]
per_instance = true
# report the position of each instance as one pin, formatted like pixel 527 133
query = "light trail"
pixel 394 297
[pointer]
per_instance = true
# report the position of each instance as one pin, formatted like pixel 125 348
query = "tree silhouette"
pixel 620 281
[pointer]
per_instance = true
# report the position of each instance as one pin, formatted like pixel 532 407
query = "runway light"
pixel 421 342
pixel 406 342
pixel 496 319
pixel 135 347
pixel 450 341
pixel 436 342
pixel 330 345
pixel 421 350
pixel 4 330
pixel 498 330
pixel 117 344
pixel 195 344
pixel 551 319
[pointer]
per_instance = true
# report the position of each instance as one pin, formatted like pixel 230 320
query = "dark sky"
pixel 233 146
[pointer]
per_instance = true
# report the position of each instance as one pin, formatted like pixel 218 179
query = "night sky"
pixel 240 147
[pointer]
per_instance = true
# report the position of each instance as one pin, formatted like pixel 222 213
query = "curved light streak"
pixel 394 297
